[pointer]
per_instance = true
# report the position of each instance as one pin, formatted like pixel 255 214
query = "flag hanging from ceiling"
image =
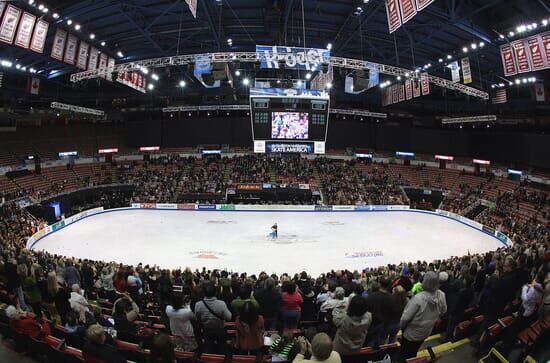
pixel 466 70
pixel 33 85
pixel 540 94
pixel 500 96
pixel 192 7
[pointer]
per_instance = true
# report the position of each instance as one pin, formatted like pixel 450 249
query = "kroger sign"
pixel 310 59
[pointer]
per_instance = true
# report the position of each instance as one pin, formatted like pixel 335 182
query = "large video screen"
pixel 290 125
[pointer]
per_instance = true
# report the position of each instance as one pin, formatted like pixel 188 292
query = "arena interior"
pixel 215 181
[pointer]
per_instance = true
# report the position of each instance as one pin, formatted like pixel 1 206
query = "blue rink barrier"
pixel 31 241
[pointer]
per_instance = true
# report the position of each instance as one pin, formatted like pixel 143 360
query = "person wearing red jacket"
pixel 23 323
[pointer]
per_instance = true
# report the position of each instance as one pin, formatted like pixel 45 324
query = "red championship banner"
pixel 92 62
pixel 70 52
pixel 389 95
pixel 58 46
pixel 408 89
pixel 416 88
pixel 508 60
pixel 111 67
pixel 103 64
pixel 39 36
pixel 425 82
pixel 422 4
pixel 401 93
pixel 408 10
pixel 395 93
pixel 9 24
pixel 24 33
pixel 546 46
pixel 394 15
pixel 522 58
pixel 82 58
pixel 535 53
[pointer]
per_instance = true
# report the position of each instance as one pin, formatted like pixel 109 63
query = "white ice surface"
pixel 237 241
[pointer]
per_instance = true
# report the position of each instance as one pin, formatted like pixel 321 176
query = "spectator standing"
pixel 212 315
pixel 180 316
pixel 352 326
pixel 291 305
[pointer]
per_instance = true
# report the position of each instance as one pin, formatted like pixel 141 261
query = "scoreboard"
pixel 289 120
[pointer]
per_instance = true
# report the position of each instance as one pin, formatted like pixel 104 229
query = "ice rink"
pixel 237 241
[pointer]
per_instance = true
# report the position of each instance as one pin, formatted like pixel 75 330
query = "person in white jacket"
pixel 531 296
pixel 420 315
pixel 180 316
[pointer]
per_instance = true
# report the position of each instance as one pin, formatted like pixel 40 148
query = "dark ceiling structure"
pixel 143 29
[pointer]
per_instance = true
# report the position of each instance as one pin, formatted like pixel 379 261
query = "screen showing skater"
pixel 290 125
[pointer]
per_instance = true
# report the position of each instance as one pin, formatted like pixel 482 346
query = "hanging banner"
pixel 466 70
pixel 546 46
pixel 394 15
pixel 70 52
pixel 132 80
pixel 422 4
pixel 522 58
pixel 416 88
pixel 310 59
pixel 408 89
pixel 59 44
pixel 508 60
pixel 401 92
pixel 92 62
pixel 111 68
pixel 9 24
pixel 500 97
pixel 408 10
pixel 82 58
pixel 24 33
pixel 535 53
pixel 39 36
pixel 192 7
pixel 455 71
pixel 103 64
pixel 425 82
pixel 395 93
pixel 33 85
pixel 540 94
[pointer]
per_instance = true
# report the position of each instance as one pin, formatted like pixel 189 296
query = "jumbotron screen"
pixel 290 125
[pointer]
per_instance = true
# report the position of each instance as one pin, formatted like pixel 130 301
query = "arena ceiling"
pixel 143 29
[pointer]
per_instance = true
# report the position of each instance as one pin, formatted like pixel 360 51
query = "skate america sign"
pixel 310 59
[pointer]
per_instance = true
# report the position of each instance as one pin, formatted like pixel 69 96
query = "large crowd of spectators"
pixel 348 309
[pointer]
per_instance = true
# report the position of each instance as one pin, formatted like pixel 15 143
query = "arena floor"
pixel 238 241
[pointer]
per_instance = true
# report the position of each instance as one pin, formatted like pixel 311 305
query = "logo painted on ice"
pixel 364 254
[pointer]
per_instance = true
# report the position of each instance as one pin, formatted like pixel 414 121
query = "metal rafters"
pixel 142 31
pixel 251 57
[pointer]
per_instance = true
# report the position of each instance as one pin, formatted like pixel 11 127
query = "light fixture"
pixel 182 83
pixel 511 34
pixel 40 7
pixel 102 44
pixel 155 77
pixel 440 60
pixel 329 85
pixel 150 86
pixel 299 83
pixel 308 75
pixel 18 66
pixel 246 81
pixel 119 53
pixel 398 78
pixel 77 27
pixel 449 56
pixel 45 10
pixel 493 86
pixel 92 36
pixel 69 21
pixel 465 49
pixel 278 81
pixel 237 73
pixel 518 81
pixel 501 84
pixel 544 22
pixel 55 15
pixel 524 80
pixel 144 70
pixel 6 63
pixel 473 46
pixel 31 2
pixel 329 46
pixel 481 44
pixel 501 36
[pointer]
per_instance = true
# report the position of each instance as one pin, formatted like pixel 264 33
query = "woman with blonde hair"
pixel 48 297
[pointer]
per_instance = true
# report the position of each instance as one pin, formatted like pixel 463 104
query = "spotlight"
pixel 31 2
pixel 144 70
pixel 465 49
pixel 474 46
pixel 150 86
pixel 69 22
pixel 45 10
pixel 518 81
pixel 102 44
pixel 92 36
pixel 440 60
pixel 40 7
pixel 329 46
pixel 398 78
pixel 329 85
pixel 119 53
pixel 55 15
pixel 449 56
pixel 481 44
pixel 155 77
pixel 308 75
pixel 77 27
pixel 182 83
pixel 237 73
pixel 246 81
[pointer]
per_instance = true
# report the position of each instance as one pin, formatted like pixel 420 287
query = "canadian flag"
pixel 33 85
